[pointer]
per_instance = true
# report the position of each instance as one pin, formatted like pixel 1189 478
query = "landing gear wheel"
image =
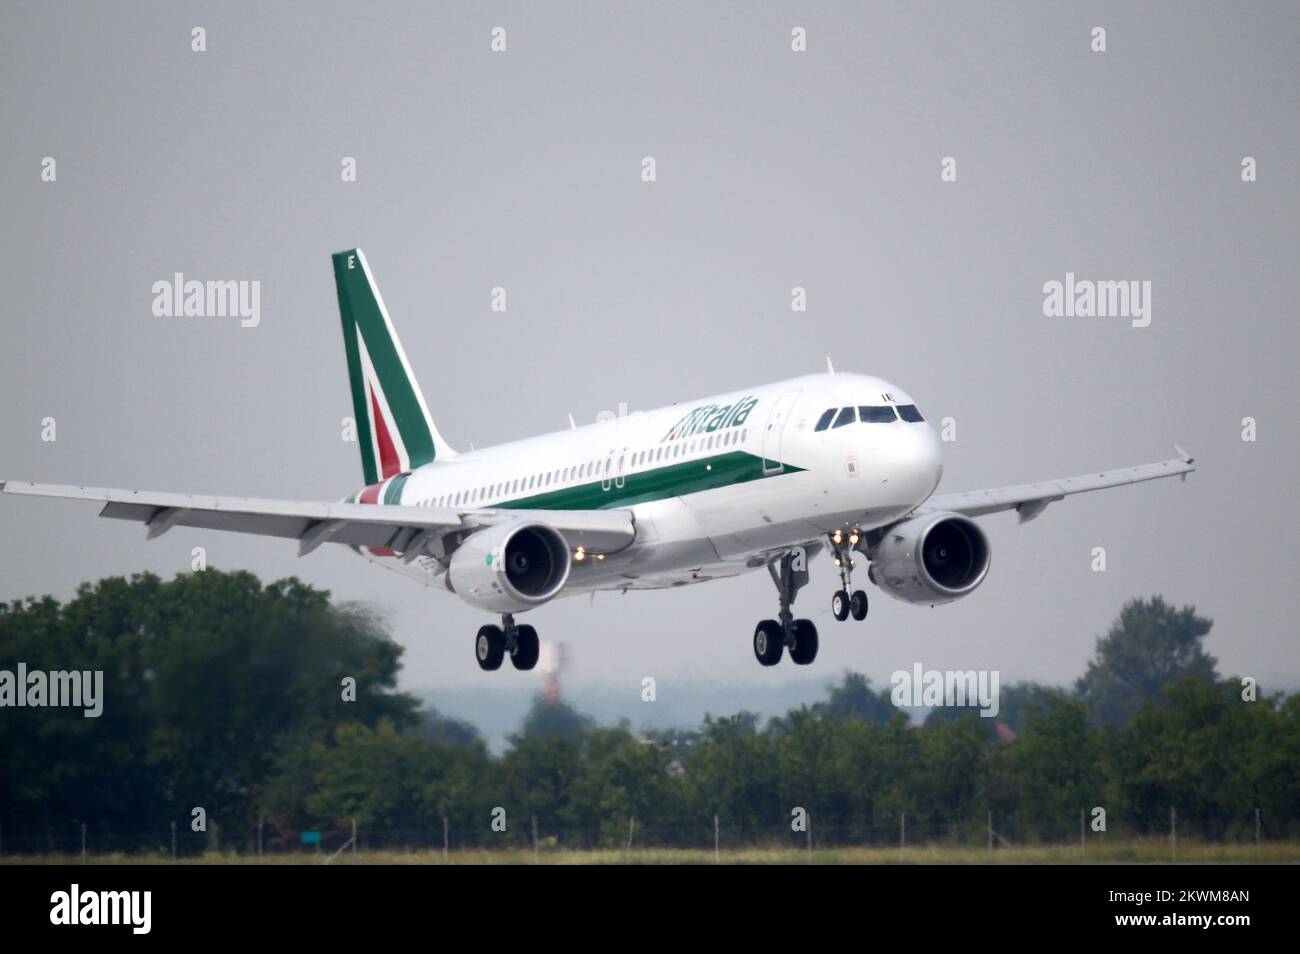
pixel 527 648
pixel 804 648
pixel 858 604
pixel 768 642
pixel 490 647
pixel 840 605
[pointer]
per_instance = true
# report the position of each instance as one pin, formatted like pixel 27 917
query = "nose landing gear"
pixel 843 604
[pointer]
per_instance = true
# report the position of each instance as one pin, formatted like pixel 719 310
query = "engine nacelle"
pixel 509 568
pixel 934 558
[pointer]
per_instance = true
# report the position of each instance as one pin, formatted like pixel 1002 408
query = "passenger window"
pixel 909 413
pixel 825 420
pixel 876 415
pixel 846 417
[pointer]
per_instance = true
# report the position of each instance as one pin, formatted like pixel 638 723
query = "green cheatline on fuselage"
pixel 672 480
pixel 393 492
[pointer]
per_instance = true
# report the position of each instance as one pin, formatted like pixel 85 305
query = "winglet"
pixel 1183 455
pixel 830 368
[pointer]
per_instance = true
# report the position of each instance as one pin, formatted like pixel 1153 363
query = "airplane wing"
pixel 1029 500
pixel 410 531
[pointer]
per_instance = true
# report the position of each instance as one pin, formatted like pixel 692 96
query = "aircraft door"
pixel 776 421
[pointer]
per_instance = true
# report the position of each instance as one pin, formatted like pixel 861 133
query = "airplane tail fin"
pixel 394 429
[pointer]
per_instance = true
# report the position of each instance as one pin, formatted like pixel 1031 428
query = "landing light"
pixel 837 538
pixel 853 539
pixel 580 554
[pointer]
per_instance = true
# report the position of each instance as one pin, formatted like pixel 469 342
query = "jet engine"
pixel 509 568
pixel 933 558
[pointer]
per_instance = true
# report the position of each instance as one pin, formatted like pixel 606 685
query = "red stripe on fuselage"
pixel 371 495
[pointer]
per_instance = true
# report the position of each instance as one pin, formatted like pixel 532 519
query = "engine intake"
pixel 511 567
pixel 935 558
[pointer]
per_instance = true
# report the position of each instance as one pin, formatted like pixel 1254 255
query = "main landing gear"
pixel 842 604
pixel 494 642
pixel 773 636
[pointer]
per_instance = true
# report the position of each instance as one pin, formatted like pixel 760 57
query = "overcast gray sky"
pixel 819 169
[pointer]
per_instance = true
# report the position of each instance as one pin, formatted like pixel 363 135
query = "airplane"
pixel 765 477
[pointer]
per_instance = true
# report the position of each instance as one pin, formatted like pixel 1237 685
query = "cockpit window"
pixel 846 417
pixel 909 413
pixel 825 420
pixel 876 415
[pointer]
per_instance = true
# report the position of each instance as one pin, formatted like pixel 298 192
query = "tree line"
pixel 275 710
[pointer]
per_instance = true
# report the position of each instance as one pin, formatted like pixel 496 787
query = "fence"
pixel 797 831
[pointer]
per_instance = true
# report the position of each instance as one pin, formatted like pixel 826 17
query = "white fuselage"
pixel 716 486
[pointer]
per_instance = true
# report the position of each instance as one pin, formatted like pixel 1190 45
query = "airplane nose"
pixel 933 459
pixel 905 460
pixel 924 455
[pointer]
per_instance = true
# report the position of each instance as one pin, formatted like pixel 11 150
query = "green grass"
pixel 1133 851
